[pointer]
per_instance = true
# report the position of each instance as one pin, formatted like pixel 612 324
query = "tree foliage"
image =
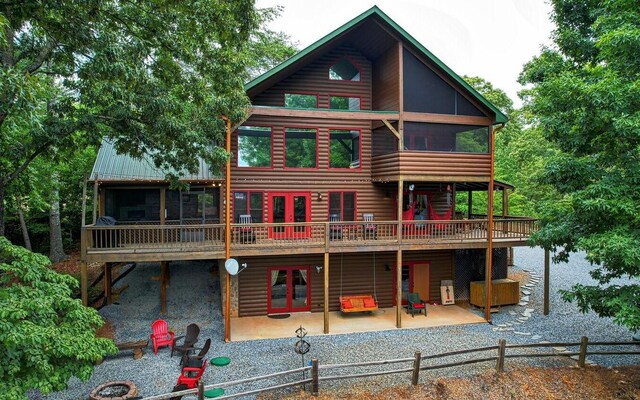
pixel 46 336
pixel 584 95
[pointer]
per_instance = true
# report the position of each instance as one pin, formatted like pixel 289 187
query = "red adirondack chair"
pixel 191 375
pixel 161 335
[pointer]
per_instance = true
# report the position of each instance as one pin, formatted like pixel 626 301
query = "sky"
pixel 491 39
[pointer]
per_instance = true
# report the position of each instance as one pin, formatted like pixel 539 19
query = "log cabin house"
pixel 343 181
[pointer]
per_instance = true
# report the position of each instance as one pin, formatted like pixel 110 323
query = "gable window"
pixel 300 149
pixel 254 146
pixel 344 103
pixel 248 203
pixel 343 204
pixel 297 100
pixel 344 148
pixel 344 70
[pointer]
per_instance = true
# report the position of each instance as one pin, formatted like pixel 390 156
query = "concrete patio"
pixel 263 327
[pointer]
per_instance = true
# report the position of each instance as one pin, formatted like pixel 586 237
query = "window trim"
pixel 237 153
pixel 285 93
pixel 330 95
pixel 284 148
pixel 329 149
pixel 352 61
pixel 248 210
pixel 342 192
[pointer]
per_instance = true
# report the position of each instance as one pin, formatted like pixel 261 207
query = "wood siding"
pixel 420 166
pixel 386 81
pixel 349 274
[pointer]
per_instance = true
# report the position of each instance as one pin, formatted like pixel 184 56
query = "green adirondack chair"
pixel 415 304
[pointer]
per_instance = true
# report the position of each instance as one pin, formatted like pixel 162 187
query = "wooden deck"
pixel 192 242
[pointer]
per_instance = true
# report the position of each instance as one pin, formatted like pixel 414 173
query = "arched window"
pixel 344 70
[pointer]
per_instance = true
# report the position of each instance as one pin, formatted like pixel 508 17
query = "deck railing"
pixel 189 237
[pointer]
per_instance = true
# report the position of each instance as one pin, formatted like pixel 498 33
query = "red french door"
pixel 289 207
pixel 289 289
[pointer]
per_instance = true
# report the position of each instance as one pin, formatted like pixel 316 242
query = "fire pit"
pixel 120 390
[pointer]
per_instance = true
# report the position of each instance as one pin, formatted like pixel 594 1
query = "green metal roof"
pixel 375 11
pixel 114 167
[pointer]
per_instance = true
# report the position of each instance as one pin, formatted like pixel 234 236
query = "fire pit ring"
pixel 114 390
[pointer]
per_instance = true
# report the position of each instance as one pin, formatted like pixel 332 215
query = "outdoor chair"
pixel 370 230
pixel 161 335
pixel 335 230
pixel 414 303
pixel 190 376
pixel 194 361
pixel 247 234
pixel 190 339
pixel 178 388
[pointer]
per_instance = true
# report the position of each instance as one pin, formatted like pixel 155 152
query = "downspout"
pixel 227 235
pixel 489 257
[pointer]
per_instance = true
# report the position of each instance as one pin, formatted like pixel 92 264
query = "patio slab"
pixel 264 327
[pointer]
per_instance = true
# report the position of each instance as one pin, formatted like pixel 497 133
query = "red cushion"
pixel 418 305
pixel 346 304
pixel 369 303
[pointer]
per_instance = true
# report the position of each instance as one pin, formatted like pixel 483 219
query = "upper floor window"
pixel 342 205
pixel 300 149
pixel 344 70
pixel 298 100
pixel 344 148
pixel 446 137
pixel 248 203
pixel 344 103
pixel 254 146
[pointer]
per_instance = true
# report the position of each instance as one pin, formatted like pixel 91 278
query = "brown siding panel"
pixel 386 81
pixel 408 163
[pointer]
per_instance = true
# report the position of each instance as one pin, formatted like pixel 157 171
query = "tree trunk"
pixel 1 208
pixel 23 224
pixel 56 251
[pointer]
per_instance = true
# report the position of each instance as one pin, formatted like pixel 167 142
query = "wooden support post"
pixel 469 204
pixel 416 368
pixel 95 200
pixel 501 351
pixel 84 201
pixel 314 377
pixel 326 292
pixel 84 283
pixel 546 283
pixel 227 232
pixel 583 352
pixel 399 257
pixel 164 272
pixel 489 258
pixel 200 390
pixel 505 202
pixel 107 282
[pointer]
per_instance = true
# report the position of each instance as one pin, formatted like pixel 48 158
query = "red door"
pixel 289 289
pixel 415 278
pixel 289 208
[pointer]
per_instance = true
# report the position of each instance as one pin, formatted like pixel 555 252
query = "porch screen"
pixel 420 136
pixel 131 205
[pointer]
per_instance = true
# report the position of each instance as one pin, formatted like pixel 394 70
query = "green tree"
pixel 154 76
pixel 584 95
pixel 46 336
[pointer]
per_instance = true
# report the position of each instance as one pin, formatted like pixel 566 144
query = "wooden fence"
pixel 417 363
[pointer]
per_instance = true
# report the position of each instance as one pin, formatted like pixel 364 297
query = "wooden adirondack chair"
pixel 161 335
pixel 415 304
pixel 370 230
pixel 191 361
pixel 335 230
pixel 190 339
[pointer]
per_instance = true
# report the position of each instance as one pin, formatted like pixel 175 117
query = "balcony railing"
pixel 321 236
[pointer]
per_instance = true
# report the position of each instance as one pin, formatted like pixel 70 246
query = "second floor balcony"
pixel 154 242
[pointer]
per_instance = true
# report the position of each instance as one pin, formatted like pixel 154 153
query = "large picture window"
pixel 344 103
pixel 343 204
pixel 301 146
pixel 254 146
pixel 248 203
pixel 297 100
pixel 344 148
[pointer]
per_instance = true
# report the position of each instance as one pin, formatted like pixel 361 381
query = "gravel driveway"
pixel 194 296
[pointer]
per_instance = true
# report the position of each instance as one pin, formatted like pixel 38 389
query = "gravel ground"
pixel 194 296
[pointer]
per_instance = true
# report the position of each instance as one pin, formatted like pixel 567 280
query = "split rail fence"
pixel 416 365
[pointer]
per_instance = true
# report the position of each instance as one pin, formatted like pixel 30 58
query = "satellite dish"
pixel 231 265
pixel 411 187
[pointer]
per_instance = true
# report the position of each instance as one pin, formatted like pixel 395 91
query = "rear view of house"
pixel 343 182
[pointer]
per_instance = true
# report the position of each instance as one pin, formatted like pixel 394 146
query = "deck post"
pixel 326 292
pixel 164 272
pixel 227 232
pixel 546 282
pixel 83 283
pixel 489 257
pixel 399 257
pixel 84 201
pixel 469 204
pixel 95 200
